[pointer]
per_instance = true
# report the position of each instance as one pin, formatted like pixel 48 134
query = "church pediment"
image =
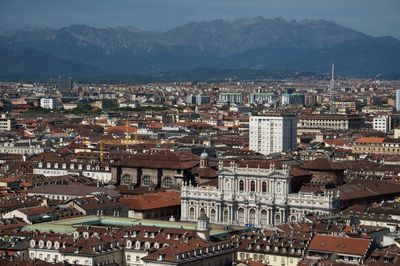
pixel 276 175
pixel 225 172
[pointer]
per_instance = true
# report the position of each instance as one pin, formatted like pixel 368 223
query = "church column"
pixel 183 210
pixel 271 217
pixel 231 214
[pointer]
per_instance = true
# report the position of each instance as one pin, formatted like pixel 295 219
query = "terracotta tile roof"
pixel 359 189
pixel 322 164
pixel 152 201
pixel 163 159
pixel 370 140
pixel 36 210
pixel 341 245
pixel 386 256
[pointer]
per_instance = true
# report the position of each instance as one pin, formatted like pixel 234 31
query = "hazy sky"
pixel 375 17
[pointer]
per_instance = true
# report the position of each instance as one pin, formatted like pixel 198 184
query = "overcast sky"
pixel 375 17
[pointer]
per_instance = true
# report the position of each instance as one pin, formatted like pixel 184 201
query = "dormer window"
pixel 128 244
pixel 40 165
pixel 79 166
pixel 48 244
pixel 48 165
pixel 56 165
pixel 137 245
pixel 64 166
pixel 88 167
pixel 41 244
pixel 56 245
pixel 32 243
pixel 72 166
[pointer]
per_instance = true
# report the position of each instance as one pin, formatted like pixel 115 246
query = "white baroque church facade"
pixel 256 197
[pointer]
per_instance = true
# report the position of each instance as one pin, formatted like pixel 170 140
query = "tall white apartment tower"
pixel 397 100
pixel 273 133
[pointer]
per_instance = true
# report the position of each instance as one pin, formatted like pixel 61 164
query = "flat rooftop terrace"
pixel 68 226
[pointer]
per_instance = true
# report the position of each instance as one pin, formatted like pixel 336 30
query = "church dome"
pixel 204 155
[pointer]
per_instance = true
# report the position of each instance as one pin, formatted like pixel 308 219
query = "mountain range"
pixel 254 44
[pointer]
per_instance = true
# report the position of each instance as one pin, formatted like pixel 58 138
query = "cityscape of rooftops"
pixel 199 133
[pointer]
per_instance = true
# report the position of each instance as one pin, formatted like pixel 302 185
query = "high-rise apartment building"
pixel 230 97
pixel 293 99
pixel 398 100
pixel 382 123
pixel 7 123
pixel 48 103
pixel 273 133
pixel 197 99
pixel 262 97
pixel 65 83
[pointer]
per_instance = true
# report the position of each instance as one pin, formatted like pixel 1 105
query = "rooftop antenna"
pixel 332 89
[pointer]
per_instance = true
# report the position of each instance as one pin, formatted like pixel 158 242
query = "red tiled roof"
pixel 152 201
pixel 370 140
pixel 322 164
pixel 338 244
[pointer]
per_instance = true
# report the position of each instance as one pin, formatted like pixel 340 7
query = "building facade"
pixel 48 103
pixel 382 123
pixel 397 100
pixel 330 121
pixel 197 99
pixel 262 98
pixel 259 197
pixel 7 123
pixel 98 172
pixel 230 97
pixel 293 99
pixel 368 145
pixel 273 133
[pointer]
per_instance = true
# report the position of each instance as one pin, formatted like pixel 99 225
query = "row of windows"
pixel 72 166
pixel 264 186
pixel 146 181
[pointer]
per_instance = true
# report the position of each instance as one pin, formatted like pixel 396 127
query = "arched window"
pixel 167 182
pixel 202 211
pixel 191 213
pixel 241 216
pixel 277 219
pixel 264 218
pixel 213 215
pixel 264 187
pixel 241 185
pixel 253 186
pixel 126 180
pixel 252 216
pixel 226 216
pixel 147 181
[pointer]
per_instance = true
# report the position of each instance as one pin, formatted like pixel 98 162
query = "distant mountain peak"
pixel 246 43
